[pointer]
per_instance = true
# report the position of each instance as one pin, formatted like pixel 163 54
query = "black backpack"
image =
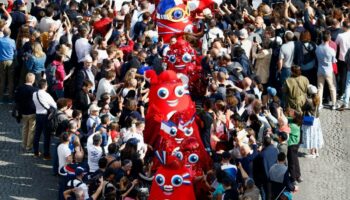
pixel 53 125
pixel 70 184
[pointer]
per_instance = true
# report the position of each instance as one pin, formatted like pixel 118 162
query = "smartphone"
pixel 254 39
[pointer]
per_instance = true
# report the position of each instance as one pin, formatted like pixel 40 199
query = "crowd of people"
pixel 74 71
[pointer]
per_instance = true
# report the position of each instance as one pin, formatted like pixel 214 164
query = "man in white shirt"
pixel 78 182
pixel 47 22
pixel 105 86
pixel 82 45
pixel 343 42
pixel 64 158
pixel 95 152
pixel 42 101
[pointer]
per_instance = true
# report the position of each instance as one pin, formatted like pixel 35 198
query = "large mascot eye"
pixel 187 58
pixel 193 158
pixel 173 131
pixel 176 180
pixel 160 179
pixel 179 155
pixel 163 93
pixel 177 14
pixel 179 91
pixel 188 131
pixel 172 59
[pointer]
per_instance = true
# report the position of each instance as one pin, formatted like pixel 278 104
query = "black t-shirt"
pixel 207 119
pixel 230 194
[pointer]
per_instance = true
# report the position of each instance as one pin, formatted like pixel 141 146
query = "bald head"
pixel 30 78
pixel 7 31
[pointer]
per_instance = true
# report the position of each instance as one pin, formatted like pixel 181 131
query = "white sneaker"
pixel 320 107
pixel 310 156
pixel 317 155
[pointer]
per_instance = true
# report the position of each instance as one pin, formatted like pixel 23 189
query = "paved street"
pixel 23 177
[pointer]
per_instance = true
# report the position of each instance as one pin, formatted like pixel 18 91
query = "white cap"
pixel 207 12
pixel 243 33
pixel 311 89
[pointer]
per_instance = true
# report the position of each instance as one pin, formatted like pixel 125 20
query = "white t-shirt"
pixel 63 152
pixel 343 41
pixel 94 155
pixel 83 186
pixel 105 86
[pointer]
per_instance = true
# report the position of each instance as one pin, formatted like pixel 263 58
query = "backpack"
pixel 53 124
pixel 298 53
pixel 51 75
pixel 347 59
pixel 70 184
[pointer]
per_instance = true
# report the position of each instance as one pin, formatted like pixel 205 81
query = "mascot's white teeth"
pixel 168 189
pixel 178 140
pixel 173 103
pixel 180 66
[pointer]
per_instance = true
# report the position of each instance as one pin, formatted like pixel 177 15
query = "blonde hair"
pixel 37 50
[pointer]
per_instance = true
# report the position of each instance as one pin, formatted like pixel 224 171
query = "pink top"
pixel 60 75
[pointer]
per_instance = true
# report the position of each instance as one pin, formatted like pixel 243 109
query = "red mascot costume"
pixel 172 180
pixel 181 58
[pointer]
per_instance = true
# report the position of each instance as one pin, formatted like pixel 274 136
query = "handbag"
pixel 308 120
pixel 16 114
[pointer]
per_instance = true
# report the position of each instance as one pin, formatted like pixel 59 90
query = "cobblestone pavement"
pixel 23 177
pixel 326 177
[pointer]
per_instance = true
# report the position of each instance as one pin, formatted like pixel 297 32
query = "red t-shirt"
pixel 102 26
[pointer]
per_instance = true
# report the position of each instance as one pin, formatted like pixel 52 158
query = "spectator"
pixel 312 133
pixel 78 182
pixel 36 62
pixel 95 152
pixel 7 54
pixel 64 158
pixel 325 57
pixel 26 108
pixel 43 102
pixel 279 177
pixel 83 99
pixel 286 57
pixel 344 44
pixel 296 89
pixel 105 86
pixel 48 21
pixel 85 74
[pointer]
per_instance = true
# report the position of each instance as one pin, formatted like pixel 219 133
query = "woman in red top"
pixel 60 76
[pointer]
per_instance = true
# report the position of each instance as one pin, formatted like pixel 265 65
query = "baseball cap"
pixel 79 171
pixel 272 91
pixel 87 14
pixel 243 33
pixel 311 89
pixel 207 12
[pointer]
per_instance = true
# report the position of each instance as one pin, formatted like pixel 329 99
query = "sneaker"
pixel 343 107
pixel 299 180
pixel 37 155
pixel 317 155
pixel 310 156
pixel 320 107
pixel 334 107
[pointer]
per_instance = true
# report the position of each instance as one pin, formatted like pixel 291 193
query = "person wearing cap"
pixel 295 89
pixel 282 142
pixel 78 182
pixel 85 74
pixel 246 44
pixel 312 134
pixel 227 167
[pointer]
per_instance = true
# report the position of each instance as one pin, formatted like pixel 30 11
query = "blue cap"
pixel 272 91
